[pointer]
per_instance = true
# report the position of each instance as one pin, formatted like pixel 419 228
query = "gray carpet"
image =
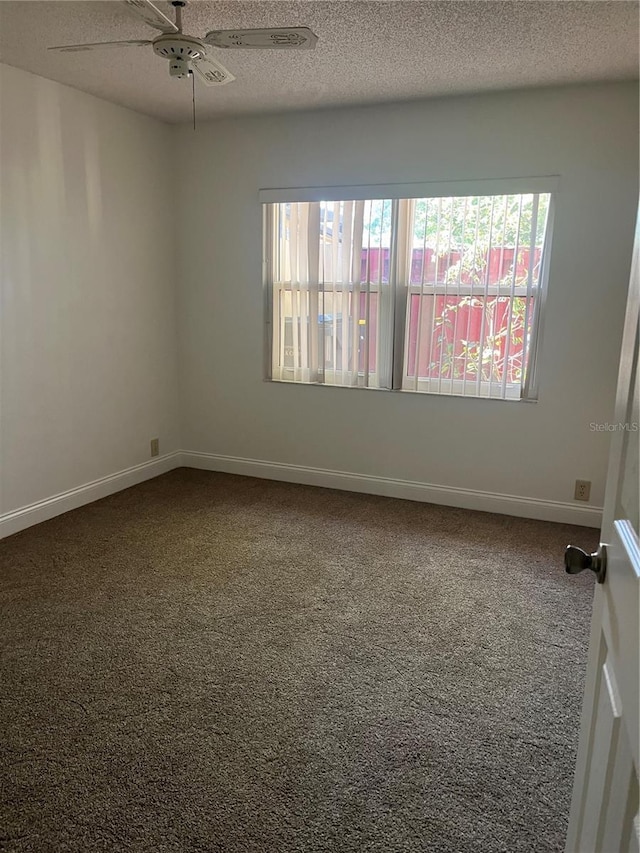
pixel 215 663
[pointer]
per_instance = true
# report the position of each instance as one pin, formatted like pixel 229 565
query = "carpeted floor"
pixel 215 663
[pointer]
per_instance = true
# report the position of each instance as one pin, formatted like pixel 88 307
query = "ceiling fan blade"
pixel 151 15
pixel 212 73
pixel 75 48
pixel 279 38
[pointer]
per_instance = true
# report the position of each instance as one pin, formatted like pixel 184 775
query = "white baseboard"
pixel 567 513
pixel 19 519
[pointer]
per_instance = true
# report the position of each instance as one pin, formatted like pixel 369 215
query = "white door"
pixel 604 814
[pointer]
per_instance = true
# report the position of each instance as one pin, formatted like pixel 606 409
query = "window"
pixel 438 294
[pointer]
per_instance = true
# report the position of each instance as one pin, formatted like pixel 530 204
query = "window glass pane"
pixel 466 338
pixel 474 282
pixel 475 237
pixel 331 262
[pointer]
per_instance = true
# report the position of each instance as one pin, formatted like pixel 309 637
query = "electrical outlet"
pixel 583 490
pixel 155 447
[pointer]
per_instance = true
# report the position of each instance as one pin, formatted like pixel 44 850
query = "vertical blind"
pixel 438 295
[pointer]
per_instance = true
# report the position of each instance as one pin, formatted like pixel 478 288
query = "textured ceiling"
pixel 368 51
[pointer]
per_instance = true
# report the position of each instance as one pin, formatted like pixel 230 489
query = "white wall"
pixel 88 323
pixel 88 326
pixel 588 135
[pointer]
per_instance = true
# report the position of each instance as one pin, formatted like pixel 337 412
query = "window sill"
pixel 407 391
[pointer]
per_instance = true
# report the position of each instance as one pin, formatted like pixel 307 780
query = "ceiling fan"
pixel 187 54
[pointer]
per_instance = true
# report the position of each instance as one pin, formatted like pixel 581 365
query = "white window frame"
pixel 400 290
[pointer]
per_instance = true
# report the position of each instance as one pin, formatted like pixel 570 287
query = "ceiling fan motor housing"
pixel 180 51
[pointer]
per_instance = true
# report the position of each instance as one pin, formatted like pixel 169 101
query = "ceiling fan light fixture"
pixel 179 68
